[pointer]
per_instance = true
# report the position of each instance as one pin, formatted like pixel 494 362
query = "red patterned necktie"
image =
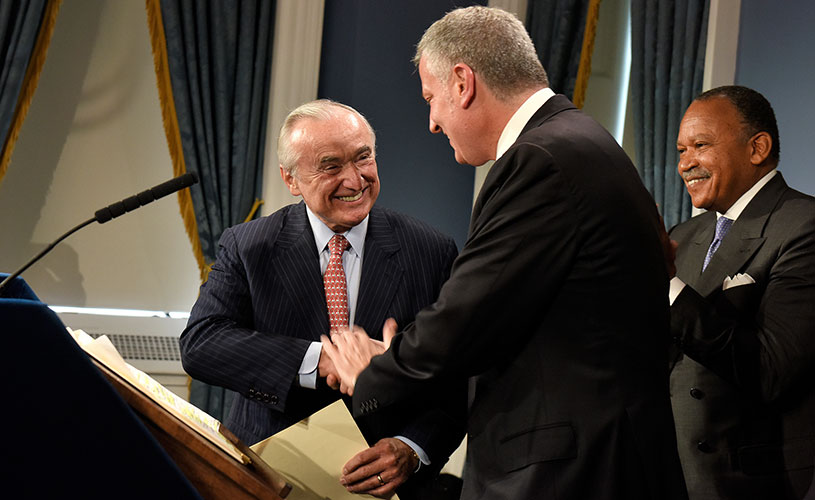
pixel 336 296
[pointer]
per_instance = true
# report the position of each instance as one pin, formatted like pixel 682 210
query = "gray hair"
pixel 321 109
pixel 492 42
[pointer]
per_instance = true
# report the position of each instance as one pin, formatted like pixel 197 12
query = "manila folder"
pixel 311 454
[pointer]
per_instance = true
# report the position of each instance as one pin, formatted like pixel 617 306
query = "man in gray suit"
pixel 743 307
pixel 331 261
pixel 556 305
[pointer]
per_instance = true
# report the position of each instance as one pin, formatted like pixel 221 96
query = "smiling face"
pixel 447 116
pixel 717 161
pixel 336 169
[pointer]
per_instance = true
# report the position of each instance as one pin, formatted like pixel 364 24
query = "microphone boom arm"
pixel 115 210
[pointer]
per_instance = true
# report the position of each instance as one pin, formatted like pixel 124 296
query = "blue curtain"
pixel 219 54
pixel 20 24
pixel 668 40
pixel 556 28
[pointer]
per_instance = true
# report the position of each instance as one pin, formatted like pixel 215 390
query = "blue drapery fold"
pixel 668 41
pixel 556 28
pixel 220 56
pixel 20 23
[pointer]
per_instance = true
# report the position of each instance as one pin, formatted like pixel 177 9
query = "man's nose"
pixel 434 127
pixel 686 162
pixel 352 177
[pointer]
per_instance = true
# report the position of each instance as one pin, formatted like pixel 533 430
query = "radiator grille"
pixel 145 347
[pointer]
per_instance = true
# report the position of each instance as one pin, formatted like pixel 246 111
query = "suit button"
pixel 696 393
pixel 273 400
pixel 251 393
pixel 704 446
pixel 266 398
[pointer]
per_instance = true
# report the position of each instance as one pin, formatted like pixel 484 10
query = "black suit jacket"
pixel 264 303
pixel 744 392
pixel 557 308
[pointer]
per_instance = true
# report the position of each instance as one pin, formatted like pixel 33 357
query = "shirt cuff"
pixel 308 368
pixel 677 285
pixel 423 458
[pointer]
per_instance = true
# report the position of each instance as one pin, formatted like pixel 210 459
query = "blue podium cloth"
pixel 67 432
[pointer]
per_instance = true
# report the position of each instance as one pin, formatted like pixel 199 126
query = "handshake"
pixel 348 352
pixel 379 470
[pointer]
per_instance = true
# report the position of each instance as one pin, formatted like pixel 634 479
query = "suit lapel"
pixel 554 105
pixel 299 266
pixel 381 275
pixel 743 240
pixel 689 263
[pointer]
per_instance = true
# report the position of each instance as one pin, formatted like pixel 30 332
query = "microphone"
pixel 139 200
pixel 115 210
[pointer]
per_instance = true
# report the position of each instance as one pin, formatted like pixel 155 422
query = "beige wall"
pixel 93 136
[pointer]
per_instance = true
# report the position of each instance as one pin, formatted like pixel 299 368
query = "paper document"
pixel 311 454
pixel 102 349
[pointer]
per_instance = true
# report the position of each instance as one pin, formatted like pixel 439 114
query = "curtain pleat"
pixel 213 63
pixel 25 35
pixel 557 28
pixel 668 40
pixel 171 130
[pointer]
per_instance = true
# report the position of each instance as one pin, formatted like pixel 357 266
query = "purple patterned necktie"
pixel 722 226
pixel 336 296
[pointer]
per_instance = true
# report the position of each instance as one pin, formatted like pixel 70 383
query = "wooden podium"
pixel 214 473
pixel 75 428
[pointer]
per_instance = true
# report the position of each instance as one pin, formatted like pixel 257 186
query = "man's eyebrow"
pixel 337 159
pixel 329 159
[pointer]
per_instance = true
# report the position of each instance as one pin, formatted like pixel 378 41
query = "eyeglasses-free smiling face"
pixel 715 154
pixel 336 171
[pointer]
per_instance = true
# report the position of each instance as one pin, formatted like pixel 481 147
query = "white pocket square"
pixel 737 280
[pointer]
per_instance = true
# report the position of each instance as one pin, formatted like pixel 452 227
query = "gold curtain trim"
pixel 30 81
pixel 255 206
pixel 171 130
pixel 584 70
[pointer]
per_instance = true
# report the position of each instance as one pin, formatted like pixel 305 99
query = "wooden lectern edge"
pixel 212 471
pixel 281 485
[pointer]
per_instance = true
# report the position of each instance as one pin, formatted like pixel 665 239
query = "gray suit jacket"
pixel 264 303
pixel 557 308
pixel 743 393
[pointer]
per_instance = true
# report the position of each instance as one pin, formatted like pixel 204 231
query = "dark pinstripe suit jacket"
pixel 264 303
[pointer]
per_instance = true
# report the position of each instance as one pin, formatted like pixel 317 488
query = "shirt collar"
pixel 519 120
pixel 737 208
pixel 322 233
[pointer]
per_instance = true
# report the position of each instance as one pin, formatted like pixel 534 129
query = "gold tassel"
pixel 30 81
pixel 171 130
pixel 584 70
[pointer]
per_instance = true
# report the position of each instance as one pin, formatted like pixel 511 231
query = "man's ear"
pixel 760 145
pixel 463 85
pixel 290 181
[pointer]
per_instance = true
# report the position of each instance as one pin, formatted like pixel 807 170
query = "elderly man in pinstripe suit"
pixel 256 326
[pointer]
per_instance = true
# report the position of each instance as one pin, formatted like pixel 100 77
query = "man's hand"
pixel 326 369
pixel 380 469
pixel 351 351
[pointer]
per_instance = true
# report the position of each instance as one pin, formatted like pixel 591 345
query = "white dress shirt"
pixel 519 120
pixel 352 265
